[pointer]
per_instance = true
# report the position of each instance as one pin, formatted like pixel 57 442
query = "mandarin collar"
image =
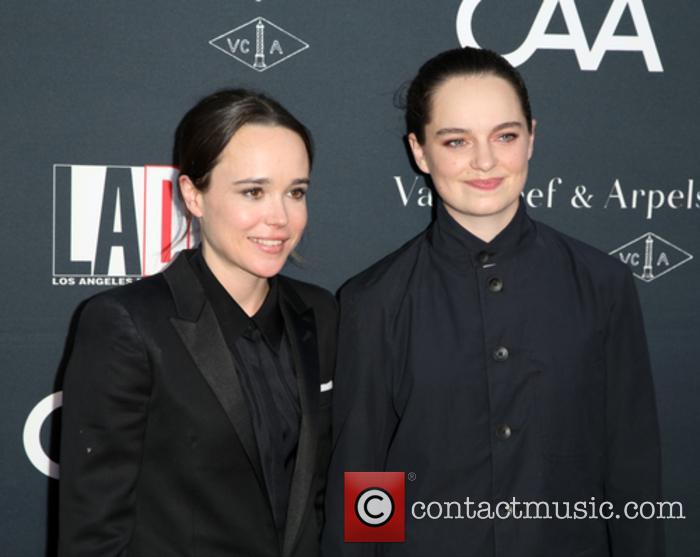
pixel 454 242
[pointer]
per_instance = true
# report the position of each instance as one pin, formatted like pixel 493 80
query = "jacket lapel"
pixel 201 334
pixel 301 329
pixel 197 326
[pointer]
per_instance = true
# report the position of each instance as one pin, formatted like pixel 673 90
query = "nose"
pixel 484 158
pixel 276 214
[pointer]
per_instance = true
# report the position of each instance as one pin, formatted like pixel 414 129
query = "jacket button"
pixel 483 257
pixel 503 432
pixel 500 354
pixel 495 284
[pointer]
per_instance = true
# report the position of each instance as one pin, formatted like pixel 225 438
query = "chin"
pixel 493 207
pixel 267 270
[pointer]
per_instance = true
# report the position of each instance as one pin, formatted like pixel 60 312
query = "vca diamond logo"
pixel 650 256
pixel 259 44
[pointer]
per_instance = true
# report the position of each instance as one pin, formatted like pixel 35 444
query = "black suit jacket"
pixel 158 453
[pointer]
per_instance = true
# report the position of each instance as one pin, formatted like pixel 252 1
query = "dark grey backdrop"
pixel 105 83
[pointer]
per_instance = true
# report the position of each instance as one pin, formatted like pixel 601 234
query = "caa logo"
pixel 588 58
pixel 650 256
pixel 31 436
pixel 374 508
pixel 115 224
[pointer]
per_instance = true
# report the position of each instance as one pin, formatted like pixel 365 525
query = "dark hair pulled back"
pixel 207 128
pixel 465 61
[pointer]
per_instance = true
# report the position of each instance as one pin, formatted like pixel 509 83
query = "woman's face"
pixel 477 147
pixel 253 213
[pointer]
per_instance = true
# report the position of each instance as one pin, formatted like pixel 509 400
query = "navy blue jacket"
pixel 510 370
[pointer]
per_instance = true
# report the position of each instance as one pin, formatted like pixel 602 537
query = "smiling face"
pixel 476 150
pixel 253 212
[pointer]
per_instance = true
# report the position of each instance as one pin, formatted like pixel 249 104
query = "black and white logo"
pixel 31 436
pixel 259 44
pixel 374 506
pixel 115 224
pixel 650 256
pixel 589 58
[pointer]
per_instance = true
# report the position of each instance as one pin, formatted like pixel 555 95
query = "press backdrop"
pixel 92 92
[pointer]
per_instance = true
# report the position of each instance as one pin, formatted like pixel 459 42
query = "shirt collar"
pixel 452 240
pixel 234 321
pixel 269 317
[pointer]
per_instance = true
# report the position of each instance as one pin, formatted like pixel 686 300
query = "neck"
pixel 248 291
pixel 487 227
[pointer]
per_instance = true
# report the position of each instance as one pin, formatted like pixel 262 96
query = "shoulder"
pixel 312 295
pixel 138 299
pixel 386 278
pixel 113 327
pixel 584 258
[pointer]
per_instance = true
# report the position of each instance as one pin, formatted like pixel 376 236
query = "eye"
pixel 253 193
pixel 507 137
pixel 457 142
pixel 298 193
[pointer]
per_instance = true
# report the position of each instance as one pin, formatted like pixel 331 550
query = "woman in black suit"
pixel 196 415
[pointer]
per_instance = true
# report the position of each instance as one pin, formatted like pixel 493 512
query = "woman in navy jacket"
pixel 492 357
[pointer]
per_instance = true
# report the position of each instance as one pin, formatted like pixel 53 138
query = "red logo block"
pixel 375 507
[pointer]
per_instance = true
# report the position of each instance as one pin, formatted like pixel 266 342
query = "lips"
pixel 488 184
pixel 269 245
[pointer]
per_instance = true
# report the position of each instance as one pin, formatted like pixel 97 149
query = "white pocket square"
pixel 327 386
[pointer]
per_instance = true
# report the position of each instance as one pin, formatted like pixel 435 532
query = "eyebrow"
pixel 504 125
pixel 266 181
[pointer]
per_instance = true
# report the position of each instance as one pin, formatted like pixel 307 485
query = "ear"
pixel 531 147
pixel 190 195
pixel 418 154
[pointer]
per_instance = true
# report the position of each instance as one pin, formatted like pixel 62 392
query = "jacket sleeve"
pixel 633 447
pixel 106 392
pixel 364 418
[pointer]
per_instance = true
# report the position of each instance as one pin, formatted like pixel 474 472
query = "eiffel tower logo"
pixel 259 44
pixel 650 256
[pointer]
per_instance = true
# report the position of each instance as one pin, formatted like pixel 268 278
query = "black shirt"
pixel 261 353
